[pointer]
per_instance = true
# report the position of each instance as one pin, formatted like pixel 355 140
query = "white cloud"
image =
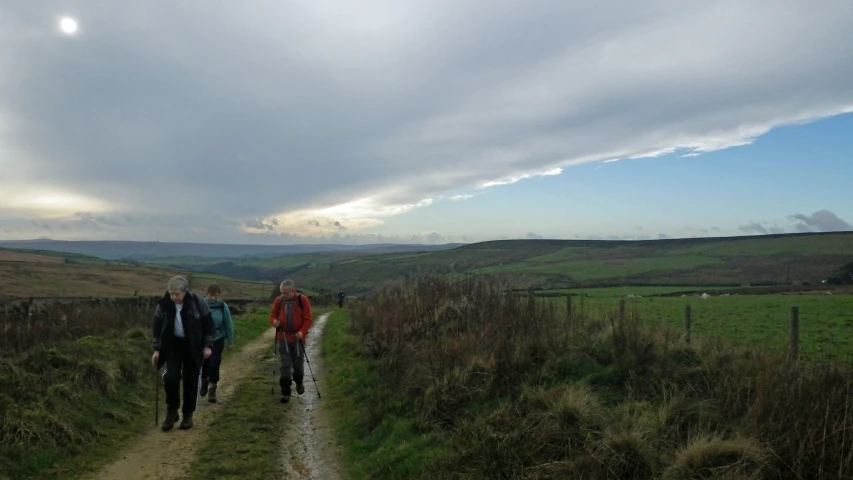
pixel 509 180
pixel 357 215
pixel 324 112
pixel 467 196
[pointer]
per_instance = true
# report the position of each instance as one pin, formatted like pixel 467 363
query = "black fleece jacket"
pixel 197 322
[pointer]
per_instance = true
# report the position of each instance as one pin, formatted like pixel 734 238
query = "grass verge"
pixel 520 390
pixel 379 440
pixel 69 408
pixel 242 441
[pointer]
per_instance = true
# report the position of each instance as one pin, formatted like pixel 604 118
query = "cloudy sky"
pixel 423 121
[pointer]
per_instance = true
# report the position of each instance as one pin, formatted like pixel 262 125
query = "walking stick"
pixel 156 397
pixel 309 368
pixel 274 353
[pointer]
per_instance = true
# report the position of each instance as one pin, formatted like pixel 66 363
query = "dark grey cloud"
pixel 532 235
pixel 820 221
pixel 262 224
pixel 762 228
pixel 87 219
pixel 270 110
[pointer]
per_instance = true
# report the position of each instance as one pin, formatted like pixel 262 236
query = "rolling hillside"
pixel 25 274
pixel 201 253
pixel 730 261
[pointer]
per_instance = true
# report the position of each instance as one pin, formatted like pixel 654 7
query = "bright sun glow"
pixel 68 25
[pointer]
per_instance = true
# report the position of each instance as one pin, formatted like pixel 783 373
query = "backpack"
pixel 298 300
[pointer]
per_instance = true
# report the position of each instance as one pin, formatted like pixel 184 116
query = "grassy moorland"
pixel 561 264
pixel 69 405
pixel 25 274
pixel 439 380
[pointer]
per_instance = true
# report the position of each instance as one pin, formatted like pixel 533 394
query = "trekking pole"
pixel 309 368
pixel 274 352
pixel 156 397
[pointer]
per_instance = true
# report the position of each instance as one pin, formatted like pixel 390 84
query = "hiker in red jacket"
pixel 291 317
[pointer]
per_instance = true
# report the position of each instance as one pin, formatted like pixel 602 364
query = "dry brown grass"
pixel 57 279
pixel 26 275
pixel 27 324
pixel 20 257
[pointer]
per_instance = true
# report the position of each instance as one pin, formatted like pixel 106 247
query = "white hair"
pixel 287 283
pixel 178 284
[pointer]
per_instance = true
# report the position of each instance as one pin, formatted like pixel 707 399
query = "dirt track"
pixel 308 450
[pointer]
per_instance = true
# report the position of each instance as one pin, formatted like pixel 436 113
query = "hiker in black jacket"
pixel 182 346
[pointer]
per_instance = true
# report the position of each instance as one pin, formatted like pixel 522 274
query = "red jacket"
pixel 301 318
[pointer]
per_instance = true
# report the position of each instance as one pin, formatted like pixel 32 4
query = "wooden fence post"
pixel 794 346
pixel 531 303
pixel 688 321
pixel 569 306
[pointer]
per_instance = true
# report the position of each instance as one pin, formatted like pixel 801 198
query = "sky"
pixel 278 122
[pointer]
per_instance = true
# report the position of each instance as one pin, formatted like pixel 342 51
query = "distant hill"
pixel 784 259
pixel 558 264
pixel 147 251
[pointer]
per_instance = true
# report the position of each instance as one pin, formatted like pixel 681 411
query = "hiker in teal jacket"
pixel 223 329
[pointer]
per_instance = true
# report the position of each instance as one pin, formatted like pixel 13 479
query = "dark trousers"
pixel 180 366
pixel 210 367
pixel 292 359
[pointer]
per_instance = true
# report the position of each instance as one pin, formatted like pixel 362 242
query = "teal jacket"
pixel 223 326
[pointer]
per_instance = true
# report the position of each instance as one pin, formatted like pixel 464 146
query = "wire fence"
pixel 814 328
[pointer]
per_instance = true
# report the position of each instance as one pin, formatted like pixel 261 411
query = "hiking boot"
pixel 300 389
pixel 204 385
pixel 187 422
pixel 212 397
pixel 171 418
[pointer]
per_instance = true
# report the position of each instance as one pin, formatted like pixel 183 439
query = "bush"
pixel 525 391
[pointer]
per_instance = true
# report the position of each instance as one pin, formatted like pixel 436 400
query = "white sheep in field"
pixel 704 296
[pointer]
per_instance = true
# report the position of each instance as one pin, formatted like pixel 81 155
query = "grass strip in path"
pixel 378 441
pixel 243 442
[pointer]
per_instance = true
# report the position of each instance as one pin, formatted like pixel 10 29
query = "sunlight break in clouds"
pixel 356 215
pixel 49 203
pixel 322 112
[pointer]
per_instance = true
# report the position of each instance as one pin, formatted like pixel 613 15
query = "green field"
pixel 625 291
pixel 763 321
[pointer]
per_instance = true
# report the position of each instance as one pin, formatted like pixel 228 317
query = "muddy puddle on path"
pixel 167 455
pixel 308 447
